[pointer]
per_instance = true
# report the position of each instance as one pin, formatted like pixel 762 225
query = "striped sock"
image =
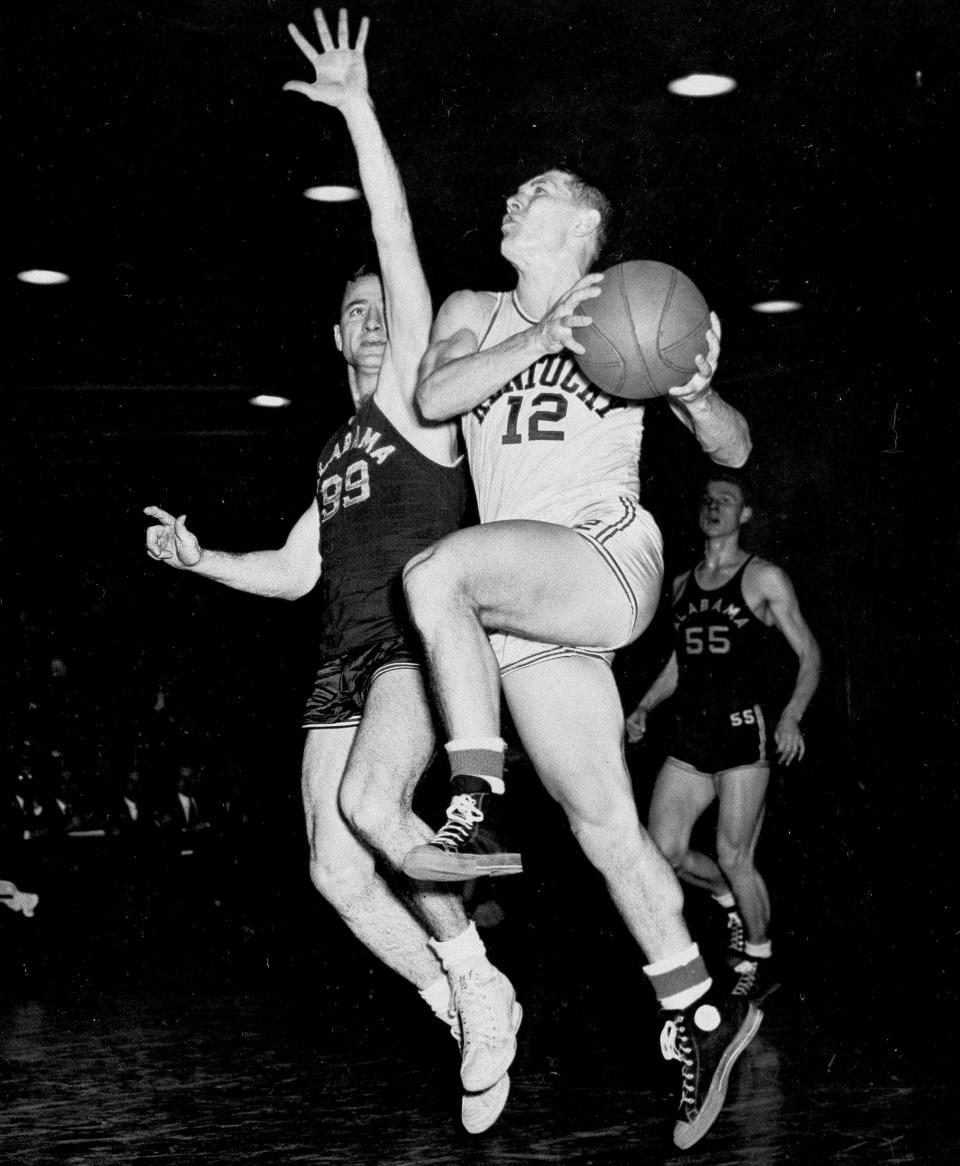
pixel 479 759
pixel 679 979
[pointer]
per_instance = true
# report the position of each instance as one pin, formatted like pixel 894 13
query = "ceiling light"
pixel 776 307
pixel 42 278
pixel 269 401
pixel 702 85
pixel 332 193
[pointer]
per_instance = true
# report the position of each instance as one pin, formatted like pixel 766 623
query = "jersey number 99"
pixel 352 488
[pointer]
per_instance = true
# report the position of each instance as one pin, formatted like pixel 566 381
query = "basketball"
pixel 649 323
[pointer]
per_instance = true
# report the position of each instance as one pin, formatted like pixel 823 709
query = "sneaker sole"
pixel 429 864
pixel 485 1083
pixel 478 1111
pixel 686 1135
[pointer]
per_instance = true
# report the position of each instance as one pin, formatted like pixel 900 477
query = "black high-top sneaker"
pixel 462 849
pixel 753 979
pixel 706 1038
pixel 736 936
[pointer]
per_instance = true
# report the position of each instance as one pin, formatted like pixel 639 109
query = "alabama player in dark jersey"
pixel 725 612
pixel 388 485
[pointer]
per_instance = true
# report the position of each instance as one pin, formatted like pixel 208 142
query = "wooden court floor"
pixel 208 1008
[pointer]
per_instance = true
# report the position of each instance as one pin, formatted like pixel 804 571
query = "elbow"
pixel 428 402
pixel 298 580
pixel 304 583
pixel 736 454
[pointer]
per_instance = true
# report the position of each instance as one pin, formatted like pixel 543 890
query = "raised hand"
pixel 170 542
pixel 699 383
pixel 341 70
pixel 556 327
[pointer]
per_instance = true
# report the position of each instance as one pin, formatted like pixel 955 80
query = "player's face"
pixel 721 509
pixel 361 334
pixel 541 213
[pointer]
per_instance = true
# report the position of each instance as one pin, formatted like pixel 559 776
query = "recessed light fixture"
pixel 776 307
pixel 702 85
pixel 269 401
pixel 332 193
pixel 42 278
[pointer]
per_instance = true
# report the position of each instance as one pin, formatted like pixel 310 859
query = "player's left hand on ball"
pixel 699 383
pixel 789 740
pixel 341 71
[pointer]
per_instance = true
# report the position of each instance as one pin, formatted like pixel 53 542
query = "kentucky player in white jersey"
pixel 564 568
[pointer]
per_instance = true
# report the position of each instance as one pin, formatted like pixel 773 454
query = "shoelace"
pixel 462 814
pixel 480 1020
pixel 675 1045
pixel 735 934
pixel 746 978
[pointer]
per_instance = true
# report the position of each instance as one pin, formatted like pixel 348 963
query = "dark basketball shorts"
pixel 342 682
pixel 712 743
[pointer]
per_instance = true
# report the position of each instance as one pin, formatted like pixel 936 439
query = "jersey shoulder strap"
pixel 495 312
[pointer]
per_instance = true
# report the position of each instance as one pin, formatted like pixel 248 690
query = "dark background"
pixel 151 154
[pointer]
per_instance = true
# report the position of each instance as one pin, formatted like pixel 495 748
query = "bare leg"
pixel 343 871
pixel 392 748
pixel 742 797
pixel 533 579
pixel 679 798
pixel 569 718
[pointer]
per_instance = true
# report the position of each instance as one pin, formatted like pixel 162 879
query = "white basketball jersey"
pixel 549 444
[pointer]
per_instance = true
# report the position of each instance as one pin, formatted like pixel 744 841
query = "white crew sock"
pixel 437 997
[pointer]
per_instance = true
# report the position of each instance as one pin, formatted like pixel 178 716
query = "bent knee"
pixel 340 880
pixel 610 818
pixel 733 859
pixel 368 819
pixel 673 850
pixel 430 577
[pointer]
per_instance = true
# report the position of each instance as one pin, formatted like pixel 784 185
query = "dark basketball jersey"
pixel 381 501
pixel 723 649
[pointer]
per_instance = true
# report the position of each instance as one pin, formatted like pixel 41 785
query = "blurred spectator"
pixel 16 900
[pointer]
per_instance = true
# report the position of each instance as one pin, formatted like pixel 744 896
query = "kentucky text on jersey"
pixel 731 611
pixel 555 371
pixel 353 441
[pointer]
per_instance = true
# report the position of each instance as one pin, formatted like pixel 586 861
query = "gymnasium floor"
pixel 207 1008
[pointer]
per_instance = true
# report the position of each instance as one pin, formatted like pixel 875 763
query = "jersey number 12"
pixel 542 417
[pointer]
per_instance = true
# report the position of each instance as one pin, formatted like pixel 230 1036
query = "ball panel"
pixel 605 367
pixel 680 355
pixel 649 323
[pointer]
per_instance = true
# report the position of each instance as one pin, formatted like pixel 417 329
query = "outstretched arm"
pixel 664 686
pixel 782 604
pixel 289 572
pixel 341 82
pixel 721 430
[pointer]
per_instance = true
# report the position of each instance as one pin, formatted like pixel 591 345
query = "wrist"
pixel 695 397
pixel 534 343
pixel 357 106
